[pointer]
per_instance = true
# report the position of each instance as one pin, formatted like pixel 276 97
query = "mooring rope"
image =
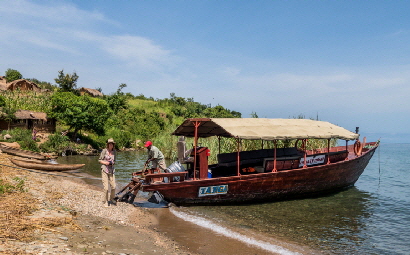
pixel 379 165
pixel 39 172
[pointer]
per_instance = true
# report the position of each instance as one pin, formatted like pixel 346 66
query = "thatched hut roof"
pixel 91 92
pixel 25 115
pixel 3 83
pixel 23 84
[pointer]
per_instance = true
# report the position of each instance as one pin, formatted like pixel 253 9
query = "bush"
pixel 7 187
pixel 22 137
pixel 55 143
pixel 12 75
pixel 2 101
pixel 122 138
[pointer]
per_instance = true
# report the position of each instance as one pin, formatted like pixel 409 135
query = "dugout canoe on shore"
pixel 23 153
pixel 45 166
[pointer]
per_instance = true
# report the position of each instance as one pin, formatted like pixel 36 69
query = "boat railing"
pixel 256 157
pixel 181 176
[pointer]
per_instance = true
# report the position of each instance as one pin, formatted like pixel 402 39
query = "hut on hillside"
pixel 3 83
pixel 91 92
pixel 30 120
pixel 23 85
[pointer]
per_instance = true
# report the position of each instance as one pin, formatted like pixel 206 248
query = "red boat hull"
pixel 272 186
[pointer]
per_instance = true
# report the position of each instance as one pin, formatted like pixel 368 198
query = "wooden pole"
pixel 274 156
pixel 238 158
pixel 347 156
pixel 304 149
pixel 196 125
pixel 328 151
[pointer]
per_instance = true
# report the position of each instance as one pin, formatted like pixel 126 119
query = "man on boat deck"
pixel 155 156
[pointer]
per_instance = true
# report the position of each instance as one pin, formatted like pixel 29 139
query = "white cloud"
pixel 62 31
pixel 55 12
pixel 136 50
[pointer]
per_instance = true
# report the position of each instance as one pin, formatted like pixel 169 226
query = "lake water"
pixel 373 217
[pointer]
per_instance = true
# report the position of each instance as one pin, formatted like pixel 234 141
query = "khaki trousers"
pixel 108 181
pixel 159 164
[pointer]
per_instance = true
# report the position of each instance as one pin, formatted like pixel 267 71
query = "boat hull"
pixel 46 166
pixel 282 185
pixel 22 153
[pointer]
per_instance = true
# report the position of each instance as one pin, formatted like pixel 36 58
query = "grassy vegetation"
pixel 124 117
pixel 22 137
pixel 128 118
pixel 16 186
pixel 27 100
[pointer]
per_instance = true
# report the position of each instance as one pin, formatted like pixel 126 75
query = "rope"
pixel 39 172
pixel 379 166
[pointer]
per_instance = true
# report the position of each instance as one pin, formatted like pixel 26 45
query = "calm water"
pixel 371 218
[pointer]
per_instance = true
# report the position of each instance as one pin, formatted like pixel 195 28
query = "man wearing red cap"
pixel 155 156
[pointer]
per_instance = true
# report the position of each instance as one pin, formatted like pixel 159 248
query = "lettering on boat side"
pixel 312 160
pixel 212 190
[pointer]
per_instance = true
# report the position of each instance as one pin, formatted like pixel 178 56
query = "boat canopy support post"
pixel 196 125
pixel 274 156
pixel 219 145
pixel 347 155
pixel 328 151
pixel 238 156
pixel 304 143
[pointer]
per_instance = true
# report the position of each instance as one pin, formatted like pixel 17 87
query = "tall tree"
pixel 67 82
pixel 8 109
pixel 80 112
pixel 118 100
pixel 12 75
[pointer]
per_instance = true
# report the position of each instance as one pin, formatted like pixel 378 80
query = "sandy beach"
pixel 65 215
pixel 59 215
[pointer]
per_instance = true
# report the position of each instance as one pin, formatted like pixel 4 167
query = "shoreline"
pixel 85 226
pixel 142 228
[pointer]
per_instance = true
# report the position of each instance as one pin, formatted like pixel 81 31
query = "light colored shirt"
pixel 105 156
pixel 155 153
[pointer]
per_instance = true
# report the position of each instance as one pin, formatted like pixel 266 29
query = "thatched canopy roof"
pixel 264 129
pixel 91 92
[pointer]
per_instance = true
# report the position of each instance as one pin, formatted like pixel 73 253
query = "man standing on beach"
pixel 155 156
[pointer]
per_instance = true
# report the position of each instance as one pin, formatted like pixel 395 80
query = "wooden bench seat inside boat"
pixel 256 157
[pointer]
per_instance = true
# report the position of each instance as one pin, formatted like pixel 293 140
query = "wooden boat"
pixel 265 174
pixel 22 153
pixel 45 166
pixel 33 160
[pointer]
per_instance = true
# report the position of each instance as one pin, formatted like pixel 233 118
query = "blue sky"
pixel 344 61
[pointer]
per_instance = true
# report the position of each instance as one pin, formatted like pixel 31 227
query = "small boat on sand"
pixel 263 174
pixel 45 166
pixel 52 161
pixel 22 153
